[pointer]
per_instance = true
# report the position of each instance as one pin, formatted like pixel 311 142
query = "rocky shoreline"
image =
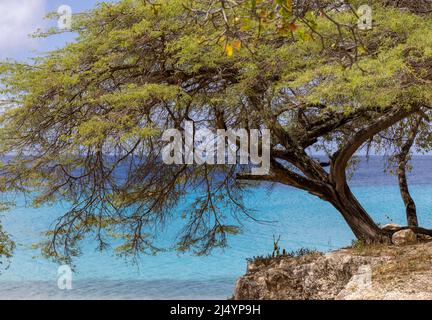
pixel 380 272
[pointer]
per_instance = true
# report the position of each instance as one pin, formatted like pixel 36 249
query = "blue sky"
pixel 19 18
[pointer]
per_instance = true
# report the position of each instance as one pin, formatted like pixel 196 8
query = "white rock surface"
pixel 391 226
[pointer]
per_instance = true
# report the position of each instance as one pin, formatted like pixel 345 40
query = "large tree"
pixel 84 122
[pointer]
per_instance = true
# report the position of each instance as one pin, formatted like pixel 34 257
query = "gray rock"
pixel 404 237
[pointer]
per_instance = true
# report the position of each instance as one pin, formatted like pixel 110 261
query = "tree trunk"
pixel 361 224
pixel 403 157
pixel 332 186
pixel 410 207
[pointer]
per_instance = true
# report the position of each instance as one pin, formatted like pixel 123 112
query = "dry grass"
pixel 375 250
pixel 405 262
pixel 398 263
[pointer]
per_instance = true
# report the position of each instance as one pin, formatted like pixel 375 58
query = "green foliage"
pixel 80 114
pixel 7 247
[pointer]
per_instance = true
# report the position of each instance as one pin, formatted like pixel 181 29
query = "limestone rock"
pixel 404 237
pixel 377 272
pixel 391 227
pixel 307 278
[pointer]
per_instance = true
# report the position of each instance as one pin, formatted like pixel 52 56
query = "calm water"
pixel 300 219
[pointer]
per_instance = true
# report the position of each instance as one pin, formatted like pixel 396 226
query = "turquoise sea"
pixel 301 220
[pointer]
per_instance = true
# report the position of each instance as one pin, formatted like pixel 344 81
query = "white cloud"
pixel 18 19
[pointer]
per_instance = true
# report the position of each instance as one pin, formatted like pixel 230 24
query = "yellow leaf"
pixel 229 50
pixel 237 44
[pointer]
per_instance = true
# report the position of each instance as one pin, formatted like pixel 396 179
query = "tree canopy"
pixel 84 123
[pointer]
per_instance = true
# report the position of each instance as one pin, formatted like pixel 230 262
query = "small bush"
pixel 279 254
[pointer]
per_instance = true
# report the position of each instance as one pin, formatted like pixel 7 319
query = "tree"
pixel 403 157
pixel 84 122
pixel 399 142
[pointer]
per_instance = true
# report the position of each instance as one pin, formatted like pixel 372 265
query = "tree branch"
pixel 342 156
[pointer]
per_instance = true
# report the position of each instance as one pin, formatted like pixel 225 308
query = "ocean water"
pixel 301 220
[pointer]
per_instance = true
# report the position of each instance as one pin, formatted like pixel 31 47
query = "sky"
pixel 20 18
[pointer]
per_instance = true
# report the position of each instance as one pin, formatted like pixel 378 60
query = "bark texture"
pixel 403 158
